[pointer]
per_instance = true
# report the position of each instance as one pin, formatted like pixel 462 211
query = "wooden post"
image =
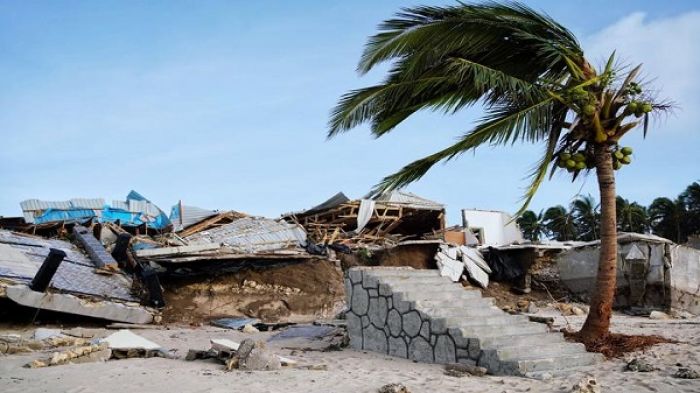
pixel 48 268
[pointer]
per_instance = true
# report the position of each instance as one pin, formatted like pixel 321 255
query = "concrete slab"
pixel 125 339
pixel 104 309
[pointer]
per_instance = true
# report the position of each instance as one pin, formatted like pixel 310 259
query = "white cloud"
pixel 669 49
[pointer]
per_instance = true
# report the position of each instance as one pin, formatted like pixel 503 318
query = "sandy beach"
pixel 347 370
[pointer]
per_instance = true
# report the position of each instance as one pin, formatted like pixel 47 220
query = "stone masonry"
pixel 419 315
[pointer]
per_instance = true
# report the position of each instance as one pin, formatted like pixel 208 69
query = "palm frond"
pixel 505 124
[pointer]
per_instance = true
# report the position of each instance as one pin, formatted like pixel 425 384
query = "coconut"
pixel 617 165
pixel 561 164
pixel 571 164
pixel 626 150
pixel 632 106
pixel 589 110
pixel 618 154
pixel 646 107
pixel 565 156
pixel 626 159
pixel 578 157
pixel 580 165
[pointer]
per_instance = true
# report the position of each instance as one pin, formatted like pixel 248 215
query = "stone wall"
pixel 382 321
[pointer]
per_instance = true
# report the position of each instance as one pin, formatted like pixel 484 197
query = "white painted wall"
pixel 496 227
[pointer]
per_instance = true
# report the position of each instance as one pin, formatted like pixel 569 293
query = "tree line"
pixel 674 219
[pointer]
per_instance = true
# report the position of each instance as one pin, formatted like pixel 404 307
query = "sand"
pixel 347 370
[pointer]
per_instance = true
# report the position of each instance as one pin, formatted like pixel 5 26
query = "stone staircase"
pixel 419 315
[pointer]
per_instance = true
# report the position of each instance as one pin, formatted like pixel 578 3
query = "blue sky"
pixel 225 104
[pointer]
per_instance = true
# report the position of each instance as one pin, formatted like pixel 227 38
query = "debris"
pixel 587 384
pixel 394 388
pixel 659 315
pixel 475 256
pixel 639 365
pixel 254 356
pixel 45 333
pixel 234 323
pixel 476 273
pixel 461 370
pixel 687 373
pixel 83 354
pixel 248 328
pixel 540 319
pixel 125 339
pixel 577 311
pixel 133 326
pixel 449 267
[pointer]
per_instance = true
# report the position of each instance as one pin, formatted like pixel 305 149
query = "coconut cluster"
pixel 580 160
pixel 575 161
pixel 622 156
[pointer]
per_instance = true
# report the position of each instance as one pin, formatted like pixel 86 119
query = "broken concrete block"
pixel 449 267
pixel 254 356
pixel 248 328
pixel 70 304
pixel 659 315
pixel 476 273
pixel 475 256
pixel 125 339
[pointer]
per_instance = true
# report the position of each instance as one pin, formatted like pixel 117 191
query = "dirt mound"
pixel 293 292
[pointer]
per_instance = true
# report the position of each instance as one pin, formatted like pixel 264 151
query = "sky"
pixel 225 104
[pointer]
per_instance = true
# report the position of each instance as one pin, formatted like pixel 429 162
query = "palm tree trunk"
pixel 598 320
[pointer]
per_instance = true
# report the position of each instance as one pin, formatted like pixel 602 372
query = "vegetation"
pixel 531 75
pixel 674 219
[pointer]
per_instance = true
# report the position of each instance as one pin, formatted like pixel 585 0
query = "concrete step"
pixel 472 312
pixel 522 340
pixel 447 297
pixel 411 286
pixel 479 331
pixel 422 282
pixel 536 363
pixel 542 350
pixel 401 272
pixel 466 304
pixel 496 321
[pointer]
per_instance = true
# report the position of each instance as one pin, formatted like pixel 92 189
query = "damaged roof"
pixel 252 235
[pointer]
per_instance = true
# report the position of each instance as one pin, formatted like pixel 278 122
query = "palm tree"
pixel 631 216
pixel 691 199
pixel 669 219
pixel 531 75
pixel 532 225
pixel 560 223
pixel 586 215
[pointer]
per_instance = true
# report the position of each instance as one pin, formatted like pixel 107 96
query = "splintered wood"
pixel 389 224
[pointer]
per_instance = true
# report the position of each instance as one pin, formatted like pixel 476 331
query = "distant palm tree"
pixel 586 214
pixel 669 219
pixel 631 216
pixel 560 223
pixel 532 225
pixel 691 199
pixel 531 75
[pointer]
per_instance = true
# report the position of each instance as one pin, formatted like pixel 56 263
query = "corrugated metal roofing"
pixel 409 199
pixel 33 207
pixel 190 216
pixel 253 234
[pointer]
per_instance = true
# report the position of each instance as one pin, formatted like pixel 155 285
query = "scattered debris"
pixel 254 356
pixel 639 365
pixel 125 344
pixel 394 388
pixel 587 384
pixel 248 328
pixel 234 323
pixel 659 315
pixel 686 373
pixel 463 370
pixel 82 354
